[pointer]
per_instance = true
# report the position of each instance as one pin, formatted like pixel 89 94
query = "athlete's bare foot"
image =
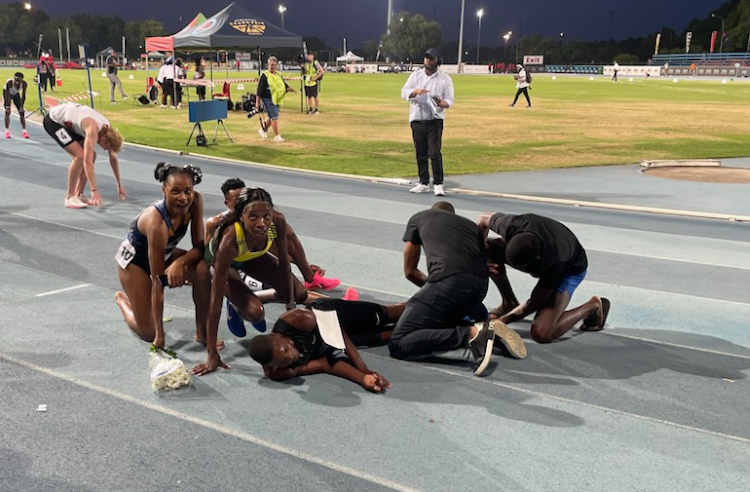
pixel 123 302
pixel 219 342
pixel 597 320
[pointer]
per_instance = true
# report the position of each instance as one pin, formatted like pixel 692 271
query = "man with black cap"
pixel 430 92
pixel 549 251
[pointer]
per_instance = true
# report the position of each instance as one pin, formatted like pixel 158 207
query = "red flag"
pixel 713 40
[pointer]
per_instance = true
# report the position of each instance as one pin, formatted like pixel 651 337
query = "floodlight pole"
pixel 721 41
pixel 461 33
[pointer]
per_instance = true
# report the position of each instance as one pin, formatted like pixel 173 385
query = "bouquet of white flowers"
pixel 167 371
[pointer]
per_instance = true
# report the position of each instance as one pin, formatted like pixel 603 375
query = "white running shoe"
pixel 278 138
pixel 75 202
pixel 420 188
pixel 439 191
pixel 263 135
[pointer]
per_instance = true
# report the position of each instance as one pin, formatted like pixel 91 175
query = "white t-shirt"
pixel 166 72
pixel 71 116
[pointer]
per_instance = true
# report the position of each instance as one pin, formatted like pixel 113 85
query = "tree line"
pixel 409 36
pixel 20 29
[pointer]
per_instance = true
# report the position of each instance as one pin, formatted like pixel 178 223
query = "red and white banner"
pixel 713 40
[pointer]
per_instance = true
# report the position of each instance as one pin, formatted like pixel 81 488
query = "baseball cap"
pixel 433 52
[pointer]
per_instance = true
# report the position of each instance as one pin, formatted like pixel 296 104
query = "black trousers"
pixel 431 320
pixel 428 142
pixel 525 92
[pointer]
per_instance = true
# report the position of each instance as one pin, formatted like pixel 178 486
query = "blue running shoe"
pixel 234 321
pixel 260 325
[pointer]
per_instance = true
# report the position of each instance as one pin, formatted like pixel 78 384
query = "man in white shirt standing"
pixel 430 92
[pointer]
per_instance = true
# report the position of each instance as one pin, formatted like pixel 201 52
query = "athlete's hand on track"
pixel 212 363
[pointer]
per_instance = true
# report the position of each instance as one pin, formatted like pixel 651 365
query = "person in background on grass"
pixel 77 129
pixel 522 86
pixel 15 92
pixel 313 73
pixel 271 90
pixel 42 70
pixel 52 69
pixel 179 73
pixel 200 74
pixel 113 64
pixel 430 92
pixel 243 243
pixel 148 259
pixel 166 81
pixel 296 347
pixel 545 249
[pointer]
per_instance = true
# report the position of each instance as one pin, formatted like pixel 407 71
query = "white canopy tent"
pixel 350 57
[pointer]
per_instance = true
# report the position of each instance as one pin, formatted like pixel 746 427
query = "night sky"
pixel 358 20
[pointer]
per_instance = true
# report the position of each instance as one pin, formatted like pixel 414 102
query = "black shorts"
pixel 16 98
pixel 355 317
pixel 60 134
pixel 311 90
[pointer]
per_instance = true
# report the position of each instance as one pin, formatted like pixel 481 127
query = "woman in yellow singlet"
pixel 243 243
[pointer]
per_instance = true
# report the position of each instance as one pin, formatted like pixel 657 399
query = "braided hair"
pixel 164 170
pixel 246 196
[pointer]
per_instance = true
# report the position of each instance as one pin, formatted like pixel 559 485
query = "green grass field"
pixel 363 128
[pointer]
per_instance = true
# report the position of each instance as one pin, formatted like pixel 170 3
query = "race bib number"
pixel 63 136
pixel 125 254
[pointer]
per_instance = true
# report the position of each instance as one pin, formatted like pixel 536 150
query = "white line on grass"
pixel 353 472
pixel 60 291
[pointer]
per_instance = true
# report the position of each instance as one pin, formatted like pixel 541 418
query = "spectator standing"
pixel 200 74
pixel 615 69
pixel 522 85
pixel 430 92
pixel 113 65
pixel 271 90
pixel 313 73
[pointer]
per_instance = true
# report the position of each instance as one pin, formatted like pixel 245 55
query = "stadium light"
pixel 282 9
pixel 480 14
pixel 27 5
pixel 506 37
pixel 721 42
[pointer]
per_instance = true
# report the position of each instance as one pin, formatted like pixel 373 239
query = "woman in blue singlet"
pixel 149 260
pixel 243 242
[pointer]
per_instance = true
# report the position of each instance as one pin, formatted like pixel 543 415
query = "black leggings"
pixel 525 92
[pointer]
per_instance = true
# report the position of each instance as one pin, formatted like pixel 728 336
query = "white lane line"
pixel 664 258
pixel 678 345
pixel 573 401
pixel 68 226
pixel 353 472
pixel 59 291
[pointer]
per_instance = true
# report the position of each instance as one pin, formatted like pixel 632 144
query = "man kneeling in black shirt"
pixel 549 251
pixel 456 283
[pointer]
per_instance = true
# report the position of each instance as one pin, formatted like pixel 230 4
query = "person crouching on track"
pixel 77 129
pixel 243 243
pixel 149 260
